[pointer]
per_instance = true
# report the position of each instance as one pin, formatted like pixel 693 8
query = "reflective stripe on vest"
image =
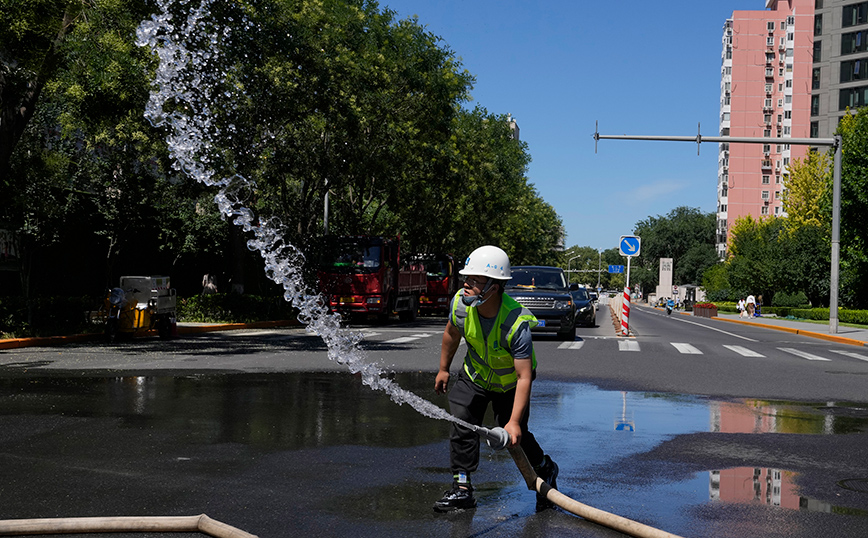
pixel 489 362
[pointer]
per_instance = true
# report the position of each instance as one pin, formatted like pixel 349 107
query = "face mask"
pixel 476 300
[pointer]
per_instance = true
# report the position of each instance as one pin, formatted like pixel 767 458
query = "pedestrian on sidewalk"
pixel 499 369
pixel 750 303
pixel 742 311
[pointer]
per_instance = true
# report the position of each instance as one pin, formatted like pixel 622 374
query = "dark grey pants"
pixel 468 401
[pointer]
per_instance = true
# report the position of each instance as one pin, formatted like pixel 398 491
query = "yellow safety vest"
pixel 488 361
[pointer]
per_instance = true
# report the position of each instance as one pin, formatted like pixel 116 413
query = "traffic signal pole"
pixel 836 142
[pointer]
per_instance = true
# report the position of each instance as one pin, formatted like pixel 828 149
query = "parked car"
pixel 543 290
pixel 586 312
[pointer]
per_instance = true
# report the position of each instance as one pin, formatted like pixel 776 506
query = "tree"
pixel 686 235
pixel 765 257
pixel 807 181
pixel 854 208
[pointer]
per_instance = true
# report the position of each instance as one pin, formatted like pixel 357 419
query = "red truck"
pixel 442 272
pixel 366 276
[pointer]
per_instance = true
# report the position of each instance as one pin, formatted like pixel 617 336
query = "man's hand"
pixel 441 383
pixel 514 431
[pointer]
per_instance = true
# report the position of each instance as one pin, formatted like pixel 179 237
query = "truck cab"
pixel 366 276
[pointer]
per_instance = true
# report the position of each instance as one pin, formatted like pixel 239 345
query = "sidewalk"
pixel 845 335
pixel 183 328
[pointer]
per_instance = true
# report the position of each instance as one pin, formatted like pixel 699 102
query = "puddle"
pixel 594 433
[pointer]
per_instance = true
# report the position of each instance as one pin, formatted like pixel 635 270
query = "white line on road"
pixel 803 354
pixel 628 345
pixel 686 349
pixel 402 340
pixel 744 352
pixel 850 354
pixel 572 345
pixel 716 329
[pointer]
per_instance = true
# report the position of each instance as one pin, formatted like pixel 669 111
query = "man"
pixel 499 367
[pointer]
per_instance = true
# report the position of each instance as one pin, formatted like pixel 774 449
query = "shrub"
pixel 233 308
pixel 796 300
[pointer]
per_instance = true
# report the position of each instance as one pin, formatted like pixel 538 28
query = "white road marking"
pixel 686 348
pixel 803 354
pixel 851 354
pixel 716 329
pixel 743 351
pixel 572 345
pixel 402 340
pixel 628 345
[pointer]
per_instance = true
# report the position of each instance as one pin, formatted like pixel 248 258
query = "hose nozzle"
pixel 497 438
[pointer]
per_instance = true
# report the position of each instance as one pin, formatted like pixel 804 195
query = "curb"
pixel 812 334
pixel 47 341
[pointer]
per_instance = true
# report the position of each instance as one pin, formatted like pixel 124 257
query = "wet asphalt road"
pixel 260 431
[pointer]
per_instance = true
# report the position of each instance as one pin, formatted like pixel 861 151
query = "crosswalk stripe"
pixel 628 345
pixel 744 352
pixel 402 340
pixel 572 345
pixel 850 354
pixel 423 335
pixel 803 354
pixel 686 349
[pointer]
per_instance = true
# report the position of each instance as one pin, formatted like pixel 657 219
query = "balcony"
pixel 766 164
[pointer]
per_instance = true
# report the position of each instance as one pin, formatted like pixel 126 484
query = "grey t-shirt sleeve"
pixel 522 344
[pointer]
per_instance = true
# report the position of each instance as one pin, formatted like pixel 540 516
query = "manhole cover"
pixel 855 484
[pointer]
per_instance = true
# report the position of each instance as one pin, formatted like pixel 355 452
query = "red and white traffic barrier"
pixel 625 313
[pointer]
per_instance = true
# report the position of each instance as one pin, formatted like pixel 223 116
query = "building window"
pixel 788 114
pixel 852 42
pixel 771 26
pixel 765 180
pixel 765 210
pixel 818 47
pixel 770 41
pixel 765 195
pixel 815 129
pixel 855 14
pixel 818 4
pixel 852 70
pixel 818 24
pixel 815 79
pixel 852 97
pixel 815 105
pixel 788 99
pixel 777 211
pixel 767 133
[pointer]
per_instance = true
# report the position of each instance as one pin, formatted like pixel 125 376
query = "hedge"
pixel 234 308
pixel 858 317
pixel 56 316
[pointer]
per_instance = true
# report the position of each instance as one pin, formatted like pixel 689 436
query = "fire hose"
pixel 81 525
pixel 498 438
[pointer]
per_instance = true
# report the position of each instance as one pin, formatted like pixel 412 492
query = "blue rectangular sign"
pixel 616 268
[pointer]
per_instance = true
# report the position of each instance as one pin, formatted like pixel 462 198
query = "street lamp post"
pixel 599 267
pixel 569 274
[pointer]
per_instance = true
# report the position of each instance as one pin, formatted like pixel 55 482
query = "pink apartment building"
pixel 765 91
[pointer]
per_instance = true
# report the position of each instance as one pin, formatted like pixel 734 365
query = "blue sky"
pixel 636 66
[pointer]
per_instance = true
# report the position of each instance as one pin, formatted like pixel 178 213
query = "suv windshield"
pixel 539 279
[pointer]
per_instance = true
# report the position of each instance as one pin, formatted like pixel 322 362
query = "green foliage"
pixel 686 235
pixel 47 316
pixel 854 208
pixel 765 258
pixel 233 308
pixel 795 300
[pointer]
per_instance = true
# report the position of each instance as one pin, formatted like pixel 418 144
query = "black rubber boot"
pixel 548 471
pixel 456 498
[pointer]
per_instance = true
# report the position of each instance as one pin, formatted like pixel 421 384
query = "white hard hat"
pixel 488 261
